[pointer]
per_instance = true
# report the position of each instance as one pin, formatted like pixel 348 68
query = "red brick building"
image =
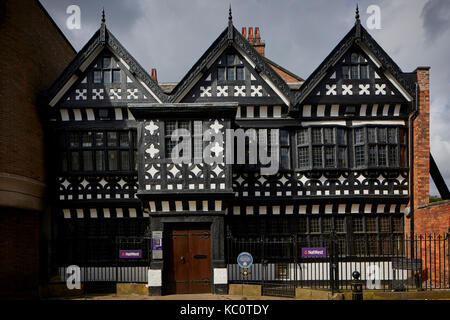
pixel 34 52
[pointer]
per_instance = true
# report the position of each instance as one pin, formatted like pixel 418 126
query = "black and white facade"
pixel 342 144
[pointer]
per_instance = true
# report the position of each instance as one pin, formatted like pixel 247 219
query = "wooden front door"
pixel 188 259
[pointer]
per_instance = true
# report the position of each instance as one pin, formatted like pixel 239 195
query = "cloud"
pixel 436 18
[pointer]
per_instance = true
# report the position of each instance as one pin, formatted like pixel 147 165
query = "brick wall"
pixel 19 252
pixel 33 54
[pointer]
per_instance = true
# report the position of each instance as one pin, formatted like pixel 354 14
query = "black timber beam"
pixel 438 179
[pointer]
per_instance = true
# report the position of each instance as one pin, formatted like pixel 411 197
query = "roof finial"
pixel 103 15
pixel 230 27
pixel 357 14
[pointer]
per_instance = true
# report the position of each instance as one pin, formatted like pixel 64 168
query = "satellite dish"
pixel 408 212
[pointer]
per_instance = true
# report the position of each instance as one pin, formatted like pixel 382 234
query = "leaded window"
pixel 106 70
pixel 379 147
pixel 97 151
pixel 321 148
pixel 355 67
pixel 231 69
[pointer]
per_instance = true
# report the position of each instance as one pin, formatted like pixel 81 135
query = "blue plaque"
pixel 244 260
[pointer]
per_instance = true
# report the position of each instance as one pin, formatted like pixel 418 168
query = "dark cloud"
pixel 436 18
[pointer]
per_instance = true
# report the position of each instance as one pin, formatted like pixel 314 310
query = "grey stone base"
pixel 154 291
pixel 221 289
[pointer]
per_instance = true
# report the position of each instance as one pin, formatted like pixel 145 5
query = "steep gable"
pixel 231 40
pixel 77 84
pixel 387 78
pixel 232 76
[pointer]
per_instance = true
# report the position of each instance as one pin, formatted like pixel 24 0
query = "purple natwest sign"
pixel 314 252
pixel 130 254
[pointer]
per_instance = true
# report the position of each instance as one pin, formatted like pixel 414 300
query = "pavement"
pixel 205 296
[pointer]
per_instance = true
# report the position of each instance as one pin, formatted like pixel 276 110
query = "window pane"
pixel 303 158
pixel 397 224
pixel 382 156
pixel 317 156
pixel 99 160
pixel 346 72
pixel 384 224
pixel 240 73
pixel 285 163
pixel 371 224
pixel 359 156
pixel 355 74
pixel 88 164
pixel 112 160
pixel 284 138
pixel 112 139
pixel 354 58
pixel 87 139
pixel 314 225
pixel 357 223
pixel 364 71
pixel 116 76
pixel 170 127
pixel 106 76
pixel 106 62
pixel 99 139
pixel 371 135
pixel 393 158
pixel 97 77
pixel 75 161
pixel 169 146
pixel 184 125
pixel 381 135
pixel 372 155
pixel 392 135
pixel 136 162
pixel 316 135
pixel 339 224
pixel 302 137
pixel 326 225
pixel 124 139
pixel 341 137
pixel 74 140
pixel 328 135
pixel 125 160
pixel 341 157
pixel 230 60
pixel 359 135
pixel 230 73
pixel 302 225
pixel 329 157
pixel 220 73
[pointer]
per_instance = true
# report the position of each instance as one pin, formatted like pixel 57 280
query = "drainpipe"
pixel 412 117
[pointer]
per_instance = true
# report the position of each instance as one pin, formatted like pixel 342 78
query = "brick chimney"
pixel 154 77
pixel 254 40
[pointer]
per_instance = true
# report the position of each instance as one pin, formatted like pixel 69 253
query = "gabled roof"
pixel 101 39
pixel 231 37
pixel 403 81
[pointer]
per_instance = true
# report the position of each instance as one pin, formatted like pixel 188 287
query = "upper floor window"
pixel 97 151
pixel 380 147
pixel 232 69
pixel 355 67
pixel 321 148
pixel 189 127
pixel 106 71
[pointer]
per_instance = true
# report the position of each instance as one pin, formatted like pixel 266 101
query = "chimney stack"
pixel 154 75
pixel 250 35
pixel 255 40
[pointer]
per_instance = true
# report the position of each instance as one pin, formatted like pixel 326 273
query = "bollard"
pixel 357 292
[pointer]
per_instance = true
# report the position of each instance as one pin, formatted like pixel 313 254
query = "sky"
pixel 171 35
